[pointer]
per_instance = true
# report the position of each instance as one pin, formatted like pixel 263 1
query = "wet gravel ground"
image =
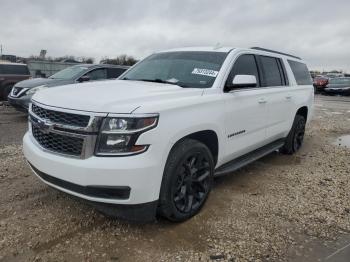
pixel 280 208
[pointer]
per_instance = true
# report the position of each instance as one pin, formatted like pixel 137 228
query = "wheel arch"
pixel 208 137
pixel 3 88
pixel 303 111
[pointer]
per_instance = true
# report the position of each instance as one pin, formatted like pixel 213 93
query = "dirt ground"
pixel 280 208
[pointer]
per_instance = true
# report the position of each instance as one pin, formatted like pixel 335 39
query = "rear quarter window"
pixel 114 72
pixel 301 72
pixel 14 69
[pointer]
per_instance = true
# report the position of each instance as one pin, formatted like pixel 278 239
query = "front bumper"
pixel 340 91
pixel 140 175
pixel 319 89
pixel 20 103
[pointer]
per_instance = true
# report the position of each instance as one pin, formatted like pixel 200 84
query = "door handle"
pixel 262 101
pixel 288 97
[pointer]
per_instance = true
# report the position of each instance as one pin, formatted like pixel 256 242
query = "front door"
pixel 246 111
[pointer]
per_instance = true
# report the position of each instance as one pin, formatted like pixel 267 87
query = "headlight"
pixel 118 135
pixel 35 89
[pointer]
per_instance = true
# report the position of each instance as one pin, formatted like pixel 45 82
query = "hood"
pixel 114 96
pixel 30 83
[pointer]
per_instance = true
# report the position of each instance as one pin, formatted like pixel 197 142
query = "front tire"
pixel 187 180
pixel 6 91
pixel 295 137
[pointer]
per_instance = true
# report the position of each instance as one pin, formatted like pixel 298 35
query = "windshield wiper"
pixel 158 80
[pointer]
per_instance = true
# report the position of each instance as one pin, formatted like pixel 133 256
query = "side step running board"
pixel 248 158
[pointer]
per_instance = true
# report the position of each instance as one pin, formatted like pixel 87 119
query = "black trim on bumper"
pixel 19 104
pixel 109 192
pixel 139 213
pixel 338 91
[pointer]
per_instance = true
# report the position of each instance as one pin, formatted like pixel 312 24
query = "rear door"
pixel 245 110
pixel 278 95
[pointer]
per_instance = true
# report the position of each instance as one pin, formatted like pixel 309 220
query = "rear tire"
pixel 187 180
pixel 295 137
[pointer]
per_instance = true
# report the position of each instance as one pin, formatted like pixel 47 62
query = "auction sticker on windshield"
pixel 205 72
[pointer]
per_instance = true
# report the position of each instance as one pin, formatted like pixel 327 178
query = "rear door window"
pixel 272 71
pixel 14 69
pixel 114 72
pixel 244 65
pixel 301 73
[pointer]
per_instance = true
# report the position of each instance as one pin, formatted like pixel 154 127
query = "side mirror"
pixel 84 78
pixel 244 81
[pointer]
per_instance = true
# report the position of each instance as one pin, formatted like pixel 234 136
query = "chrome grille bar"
pixel 60 135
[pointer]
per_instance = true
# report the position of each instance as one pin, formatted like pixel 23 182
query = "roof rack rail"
pixel 273 51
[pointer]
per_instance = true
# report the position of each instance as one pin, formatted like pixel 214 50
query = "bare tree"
pixel 69 58
pixel 87 60
pixel 119 60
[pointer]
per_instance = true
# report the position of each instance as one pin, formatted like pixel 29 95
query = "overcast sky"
pixel 318 31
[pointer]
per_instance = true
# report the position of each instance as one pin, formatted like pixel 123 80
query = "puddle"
pixel 318 250
pixel 343 141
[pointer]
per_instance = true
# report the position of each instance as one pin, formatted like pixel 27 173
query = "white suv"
pixel 152 141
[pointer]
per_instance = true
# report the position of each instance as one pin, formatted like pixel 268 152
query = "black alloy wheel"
pixel 193 182
pixel 187 180
pixel 299 135
pixel 295 138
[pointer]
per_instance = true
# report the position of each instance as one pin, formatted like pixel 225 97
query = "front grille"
pixel 61 117
pixel 59 143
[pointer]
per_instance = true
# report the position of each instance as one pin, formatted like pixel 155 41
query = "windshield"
pixel 69 73
pixel 186 69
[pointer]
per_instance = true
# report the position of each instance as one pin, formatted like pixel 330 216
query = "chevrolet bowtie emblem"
pixel 45 126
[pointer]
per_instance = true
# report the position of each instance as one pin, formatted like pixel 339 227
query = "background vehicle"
pixel 334 75
pixel 22 92
pixel 320 83
pixel 10 74
pixel 153 140
pixel 340 85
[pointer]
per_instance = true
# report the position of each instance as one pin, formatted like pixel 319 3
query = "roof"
pixel 227 49
pixel 200 48
pixel 101 65
pixel 115 66
pixel 275 52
